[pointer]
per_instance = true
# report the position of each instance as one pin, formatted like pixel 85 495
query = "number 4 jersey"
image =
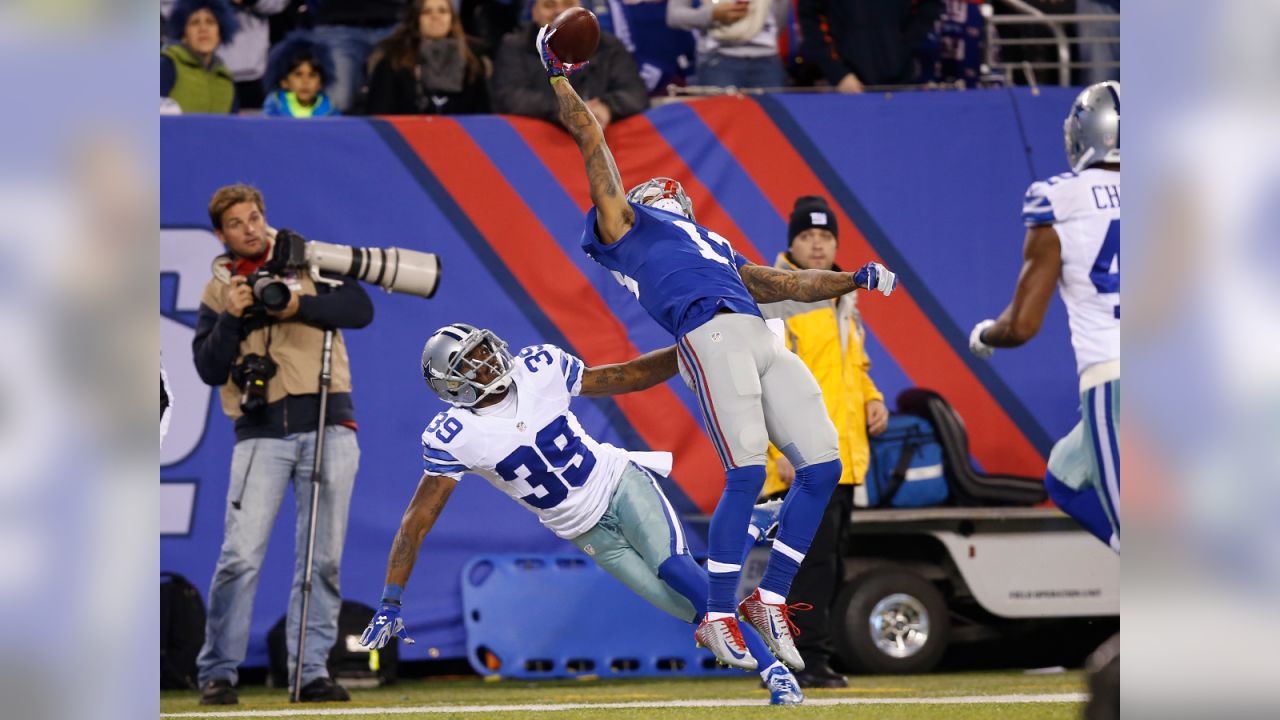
pixel 531 446
pixel 1084 209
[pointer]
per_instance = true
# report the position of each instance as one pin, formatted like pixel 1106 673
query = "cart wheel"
pixel 891 621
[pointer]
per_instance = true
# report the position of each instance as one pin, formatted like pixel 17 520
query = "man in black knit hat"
pixel 828 336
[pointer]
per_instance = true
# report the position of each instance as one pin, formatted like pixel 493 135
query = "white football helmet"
pixel 662 193
pixel 451 373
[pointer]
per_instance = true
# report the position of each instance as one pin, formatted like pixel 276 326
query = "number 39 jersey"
pixel 538 454
pixel 1084 209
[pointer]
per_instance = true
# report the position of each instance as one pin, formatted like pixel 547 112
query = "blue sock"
pixel 802 512
pixel 728 525
pixel 684 576
pixel 1083 505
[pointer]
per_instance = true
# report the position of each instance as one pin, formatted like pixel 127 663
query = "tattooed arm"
pixel 428 500
pixel 638 374
pixel 614 216
pixel 768 285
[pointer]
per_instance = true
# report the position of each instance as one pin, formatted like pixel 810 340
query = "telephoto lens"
pixel 270 290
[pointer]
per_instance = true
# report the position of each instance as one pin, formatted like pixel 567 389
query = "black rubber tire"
pixel 851 618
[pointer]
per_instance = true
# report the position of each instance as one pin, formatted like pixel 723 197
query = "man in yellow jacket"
pixel 828 337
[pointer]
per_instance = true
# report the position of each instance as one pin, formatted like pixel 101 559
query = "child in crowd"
pixel 297 70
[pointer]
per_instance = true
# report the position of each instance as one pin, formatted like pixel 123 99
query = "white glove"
pixel 874 276
pixel 976 346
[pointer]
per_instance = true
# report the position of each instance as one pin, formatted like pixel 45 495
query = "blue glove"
pixel 386 623
pixel 553 65
pixel 874 276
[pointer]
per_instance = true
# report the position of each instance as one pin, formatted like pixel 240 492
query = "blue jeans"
pixel 723 71
pixel 261 471
pixel 350 48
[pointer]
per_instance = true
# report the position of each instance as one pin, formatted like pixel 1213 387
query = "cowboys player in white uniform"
pixel 1073 241
pixel 511 424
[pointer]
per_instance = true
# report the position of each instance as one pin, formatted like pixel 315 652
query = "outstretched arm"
pixel 1041 266
pixel 638 374
pixel 428 500
pixel 768 285
pixel 614 216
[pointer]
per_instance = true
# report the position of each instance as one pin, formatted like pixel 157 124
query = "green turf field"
pixel 972 696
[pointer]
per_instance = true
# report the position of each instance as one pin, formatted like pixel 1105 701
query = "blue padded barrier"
pixel 541 616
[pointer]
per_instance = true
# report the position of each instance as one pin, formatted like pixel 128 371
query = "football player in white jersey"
pixel 511 424
pixel 1073 241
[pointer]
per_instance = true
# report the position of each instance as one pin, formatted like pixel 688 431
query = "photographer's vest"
pixel 294 346
pixel 197 90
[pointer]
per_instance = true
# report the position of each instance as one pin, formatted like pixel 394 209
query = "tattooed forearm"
pixel 428 501
pixel 638 374
pixel 603 178
pixel 768 285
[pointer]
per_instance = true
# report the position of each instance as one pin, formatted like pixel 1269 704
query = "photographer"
pixel 267 362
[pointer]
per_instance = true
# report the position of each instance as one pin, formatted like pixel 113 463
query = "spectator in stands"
pixel 297 71
pixel 610 84
pixel 352 29
pixel 828 337
pixel 488 21
pixel 737 40
pixel 427 66
pixel 246 56
pixel 871 41
pixel 191 73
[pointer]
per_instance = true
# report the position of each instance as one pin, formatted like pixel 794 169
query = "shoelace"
pixel 786 611
pixel 732 633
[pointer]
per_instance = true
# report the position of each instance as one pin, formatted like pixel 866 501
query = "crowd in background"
pixel 309 58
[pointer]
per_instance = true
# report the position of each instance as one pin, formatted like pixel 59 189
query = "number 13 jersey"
pixel 531 446
pixel 1084 209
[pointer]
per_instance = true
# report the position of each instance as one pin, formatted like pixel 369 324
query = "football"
pixel 577 35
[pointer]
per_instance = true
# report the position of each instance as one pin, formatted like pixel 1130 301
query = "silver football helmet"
pixel 452 373
pixel 662 193
pixel 1092 128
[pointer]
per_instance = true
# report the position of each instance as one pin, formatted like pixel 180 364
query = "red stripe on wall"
pixel 908 335
pixel 641 153
pixel 561 292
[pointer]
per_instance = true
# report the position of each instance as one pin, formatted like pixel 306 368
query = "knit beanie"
pixel 811 211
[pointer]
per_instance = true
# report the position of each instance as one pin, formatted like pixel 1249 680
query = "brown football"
pixel 577 35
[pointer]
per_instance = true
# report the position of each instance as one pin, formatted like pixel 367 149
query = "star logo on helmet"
pixel 521 426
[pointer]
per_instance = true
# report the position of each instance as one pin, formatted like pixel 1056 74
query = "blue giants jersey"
pixel 681 272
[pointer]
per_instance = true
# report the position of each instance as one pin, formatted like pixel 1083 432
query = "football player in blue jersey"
pixel 511 424
pixel 751 389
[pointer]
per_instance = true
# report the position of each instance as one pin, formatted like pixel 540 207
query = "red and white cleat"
pixel 723 638
pixel 774 624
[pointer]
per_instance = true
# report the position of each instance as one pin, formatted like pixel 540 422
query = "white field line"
pixel 737 702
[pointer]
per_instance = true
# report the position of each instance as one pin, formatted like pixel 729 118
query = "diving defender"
pixel 511 424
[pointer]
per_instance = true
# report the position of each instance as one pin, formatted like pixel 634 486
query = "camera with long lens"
pixel 251 374
pixel 393 269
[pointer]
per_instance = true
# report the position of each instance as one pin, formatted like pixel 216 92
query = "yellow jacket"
pixel 828 337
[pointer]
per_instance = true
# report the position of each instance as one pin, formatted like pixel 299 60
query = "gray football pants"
pixel 752 389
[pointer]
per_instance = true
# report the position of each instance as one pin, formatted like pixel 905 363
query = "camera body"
pixel 251 374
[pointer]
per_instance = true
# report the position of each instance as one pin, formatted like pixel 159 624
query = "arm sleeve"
pixel 814 47
pixel 168 75
pixel 346 306
pixel 516 89
pixel 682 15
pixel 626 93
pixel 215 345
pixel 571 369
pixel 1037 209
pixel 438 461
pixel 869 390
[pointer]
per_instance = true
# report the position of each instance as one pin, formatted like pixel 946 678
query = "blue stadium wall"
pixel 929 183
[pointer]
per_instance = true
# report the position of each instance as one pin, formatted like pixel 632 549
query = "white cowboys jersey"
pixel 535 452
pixel 1084 209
